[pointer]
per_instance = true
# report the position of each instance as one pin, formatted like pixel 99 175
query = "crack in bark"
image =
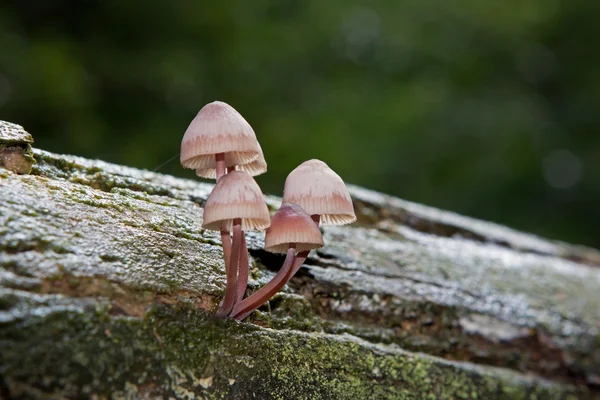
pixel 372 215
pixel 437 332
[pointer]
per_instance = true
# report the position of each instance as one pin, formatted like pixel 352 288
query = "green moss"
pixel 182 350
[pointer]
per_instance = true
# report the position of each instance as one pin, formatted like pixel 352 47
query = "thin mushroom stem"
pixel 225 235
pixel 232 271
pixel 247 306
pixel 220 159
pixel 226 243
pixel 242 282
pixel 300 258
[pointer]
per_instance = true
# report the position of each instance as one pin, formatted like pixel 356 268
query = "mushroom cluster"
pixel 220 144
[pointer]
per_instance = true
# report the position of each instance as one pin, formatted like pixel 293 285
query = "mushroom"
pixel 217 140
pixel 292 230
pixel 321 193
pixel 235 204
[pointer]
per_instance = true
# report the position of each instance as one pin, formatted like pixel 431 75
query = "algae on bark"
pixel 108 287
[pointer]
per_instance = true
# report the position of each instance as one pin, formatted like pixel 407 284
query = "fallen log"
pixel 108 286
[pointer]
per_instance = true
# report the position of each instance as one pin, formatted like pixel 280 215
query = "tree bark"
pixel 109 285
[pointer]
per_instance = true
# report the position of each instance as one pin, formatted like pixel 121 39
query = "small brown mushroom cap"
pixel 256 167
pixel 218 128
pixel 318 190
pixel 236 195
pixel 291 224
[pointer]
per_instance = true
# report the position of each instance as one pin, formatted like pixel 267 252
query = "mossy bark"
pixel 108 286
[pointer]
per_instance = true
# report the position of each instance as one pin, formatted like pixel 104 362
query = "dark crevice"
pixel 22 247
pixel 15 148
pixel 38 245
pixel 198 200
pixel 109 257
pixel 271 261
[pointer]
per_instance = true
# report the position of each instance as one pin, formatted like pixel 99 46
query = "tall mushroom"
pixel 291 230
pixel 235 204
pixel 322 194
pixel 217 140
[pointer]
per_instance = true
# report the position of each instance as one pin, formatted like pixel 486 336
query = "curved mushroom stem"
pixel 300 258
pixel 232 271
pixel 242 282
pixel 247 306
pixel 220 159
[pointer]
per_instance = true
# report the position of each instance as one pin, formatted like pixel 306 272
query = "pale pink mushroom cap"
pixel 256 167
pixel 236 195
pixel 291 224
pixel 218 128
pixel 319 190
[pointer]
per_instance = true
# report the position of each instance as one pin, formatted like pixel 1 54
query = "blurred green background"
pixel 490 109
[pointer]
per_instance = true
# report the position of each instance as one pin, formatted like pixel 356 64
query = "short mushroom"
pixel 321 193
pixel 235 204
pixel 292 230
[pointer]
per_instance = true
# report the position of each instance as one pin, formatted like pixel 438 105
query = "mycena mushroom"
pixel 235 204
pixel 292 230
pixel 322 194
pixel 218 138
